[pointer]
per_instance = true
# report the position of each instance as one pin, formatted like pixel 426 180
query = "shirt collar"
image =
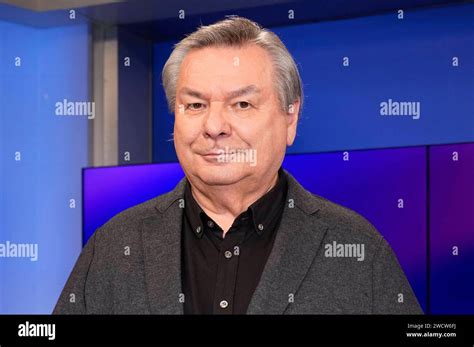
pixel 265 211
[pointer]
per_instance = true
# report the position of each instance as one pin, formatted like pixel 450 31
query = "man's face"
pixel 229 125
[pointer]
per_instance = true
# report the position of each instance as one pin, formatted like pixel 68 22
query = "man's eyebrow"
pixel 191 92
pixel 233 94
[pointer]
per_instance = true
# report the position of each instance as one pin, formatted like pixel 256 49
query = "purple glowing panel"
pixel 388 187
pixel 452 228
pixel 110 190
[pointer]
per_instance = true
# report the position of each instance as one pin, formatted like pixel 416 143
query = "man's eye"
pixel 243 105
pixel 194 106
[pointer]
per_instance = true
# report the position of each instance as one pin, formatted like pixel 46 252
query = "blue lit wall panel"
pixel 36 194
pixel 19 188
pixel 110 190
pixel 452 225
pixel 402 60
pixel 371 183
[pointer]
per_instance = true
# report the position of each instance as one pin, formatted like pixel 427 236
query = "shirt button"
pixel 198 229
pixel 228 254
pixel 223 304
pixel 260 227
pixel 210 224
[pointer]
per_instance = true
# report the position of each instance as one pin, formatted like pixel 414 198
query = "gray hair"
pixel 237 31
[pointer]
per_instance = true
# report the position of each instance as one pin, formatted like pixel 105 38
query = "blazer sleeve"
pixel 392 293
pixel 73 298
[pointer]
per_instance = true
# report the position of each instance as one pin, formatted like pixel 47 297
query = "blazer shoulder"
pixel 126 223
pixel 341 221
pixel 345 222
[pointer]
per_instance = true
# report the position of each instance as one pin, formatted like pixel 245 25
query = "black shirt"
pixel 220 275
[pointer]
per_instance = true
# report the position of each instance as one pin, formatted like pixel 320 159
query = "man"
pixel 239 234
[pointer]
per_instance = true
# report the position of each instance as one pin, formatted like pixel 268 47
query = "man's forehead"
pixel 229 60
pixel 226 71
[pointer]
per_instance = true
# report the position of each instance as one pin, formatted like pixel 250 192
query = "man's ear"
pixel 292 121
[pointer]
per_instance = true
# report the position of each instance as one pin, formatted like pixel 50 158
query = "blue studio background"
pixel 41 156
pixel 426 57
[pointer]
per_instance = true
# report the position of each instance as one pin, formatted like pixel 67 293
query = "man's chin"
pixel 221 176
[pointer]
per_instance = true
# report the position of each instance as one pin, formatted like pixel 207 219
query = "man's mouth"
pixel 212 152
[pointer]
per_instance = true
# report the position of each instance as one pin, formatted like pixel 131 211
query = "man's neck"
pixel 225 203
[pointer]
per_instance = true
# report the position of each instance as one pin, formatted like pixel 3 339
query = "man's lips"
pixel 212 156
pixel 212 152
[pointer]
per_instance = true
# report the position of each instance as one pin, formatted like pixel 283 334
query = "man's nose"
pixel 216 122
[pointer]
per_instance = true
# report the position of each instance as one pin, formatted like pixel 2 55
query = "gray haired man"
pixel 236 235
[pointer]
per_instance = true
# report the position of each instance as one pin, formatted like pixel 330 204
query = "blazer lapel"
pixel 161 238
pixel 296 244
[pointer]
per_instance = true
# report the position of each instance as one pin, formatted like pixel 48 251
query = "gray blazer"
pixel 132 264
